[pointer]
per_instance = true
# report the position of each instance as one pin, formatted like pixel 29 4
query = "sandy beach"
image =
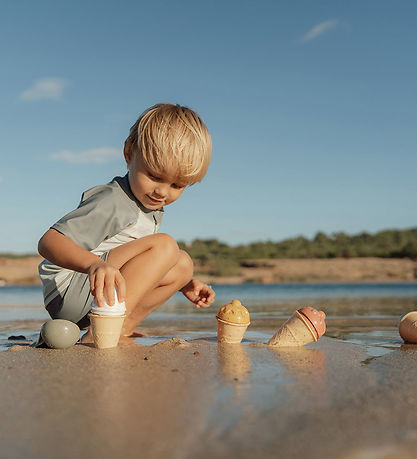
pixel 176 393
pixel 24 271
pixel 183 399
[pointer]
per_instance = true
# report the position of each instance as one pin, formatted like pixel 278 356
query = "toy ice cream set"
pixel 306 325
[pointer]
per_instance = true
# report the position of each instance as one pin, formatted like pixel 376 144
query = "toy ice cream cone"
pixel 304 326
pixel 232 322
pixel 106 330
pixel 106 323
pixel 408 327
pixel 230 333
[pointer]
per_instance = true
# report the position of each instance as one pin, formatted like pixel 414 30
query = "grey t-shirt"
pixel 107 216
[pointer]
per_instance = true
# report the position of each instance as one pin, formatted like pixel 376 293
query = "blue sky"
pixel 311 107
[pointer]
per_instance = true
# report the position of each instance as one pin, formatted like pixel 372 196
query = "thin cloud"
pixel 93 156
pixel 45 89
pixel 320 29
pixel 1 178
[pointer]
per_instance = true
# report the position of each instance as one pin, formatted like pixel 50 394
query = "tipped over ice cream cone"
pixel 304 326
pixel 232 321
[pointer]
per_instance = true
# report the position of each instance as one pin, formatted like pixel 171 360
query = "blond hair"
pixel 171 136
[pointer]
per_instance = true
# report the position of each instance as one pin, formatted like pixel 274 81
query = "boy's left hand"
pixel 199 293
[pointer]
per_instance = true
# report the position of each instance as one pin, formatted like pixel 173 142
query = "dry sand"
pixel 367 269
pixel 25 271
pixel 22 271
pixel 200 399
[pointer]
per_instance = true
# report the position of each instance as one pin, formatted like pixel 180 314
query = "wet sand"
pixel 176 399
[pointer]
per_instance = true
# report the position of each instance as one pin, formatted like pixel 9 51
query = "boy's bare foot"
pixel 127 340
pixel 134 335
pixel 87 337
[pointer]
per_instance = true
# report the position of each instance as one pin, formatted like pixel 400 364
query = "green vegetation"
pixel 227 259
pixel 224 260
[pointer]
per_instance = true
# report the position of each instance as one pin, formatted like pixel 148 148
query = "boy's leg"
pixel 174 280
pixel 154 269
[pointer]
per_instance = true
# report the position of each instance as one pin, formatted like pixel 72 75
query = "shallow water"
pixel 251 293
pixel 365 314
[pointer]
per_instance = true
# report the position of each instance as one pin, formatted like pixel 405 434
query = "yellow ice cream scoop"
pixel 234 313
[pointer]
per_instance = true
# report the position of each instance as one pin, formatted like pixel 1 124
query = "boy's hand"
pixel 104 278
pixel 200 294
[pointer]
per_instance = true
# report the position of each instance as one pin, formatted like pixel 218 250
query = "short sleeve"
pixel 102 213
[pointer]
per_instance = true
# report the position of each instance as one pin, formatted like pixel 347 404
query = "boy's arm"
pixel 62 251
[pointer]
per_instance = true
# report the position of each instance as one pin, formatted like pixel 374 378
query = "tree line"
pixel 226 259
pixel 385 244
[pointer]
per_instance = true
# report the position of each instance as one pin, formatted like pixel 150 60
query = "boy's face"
pixel 152 190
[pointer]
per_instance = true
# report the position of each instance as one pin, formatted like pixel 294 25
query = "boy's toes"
pixel 87 338
pixel 127 340
pixel 135 335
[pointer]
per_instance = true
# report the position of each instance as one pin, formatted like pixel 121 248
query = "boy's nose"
pixel 161 190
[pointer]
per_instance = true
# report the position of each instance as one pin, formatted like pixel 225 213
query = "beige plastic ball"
pixel 408 327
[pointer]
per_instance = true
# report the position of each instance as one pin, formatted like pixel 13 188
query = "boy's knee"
pixel 185 266
pixel 167 246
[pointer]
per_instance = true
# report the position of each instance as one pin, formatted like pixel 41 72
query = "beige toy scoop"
pixel 232 321
pixel 234 313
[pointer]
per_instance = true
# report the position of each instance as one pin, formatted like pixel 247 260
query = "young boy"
pixel 109 242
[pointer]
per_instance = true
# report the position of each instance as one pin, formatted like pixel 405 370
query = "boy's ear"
pixel 127 151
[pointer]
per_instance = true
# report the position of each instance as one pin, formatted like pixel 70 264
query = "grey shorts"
pixel 74 303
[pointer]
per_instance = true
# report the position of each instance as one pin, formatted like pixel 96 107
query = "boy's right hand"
pixel 104 278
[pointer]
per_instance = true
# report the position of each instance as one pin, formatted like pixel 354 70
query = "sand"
pixel 24 271
pixel 181 399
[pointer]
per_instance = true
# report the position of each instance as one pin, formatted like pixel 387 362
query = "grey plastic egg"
pixel 59 333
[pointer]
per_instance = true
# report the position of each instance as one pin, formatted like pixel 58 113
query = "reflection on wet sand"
pixel 301 362
pixel 307 368
pixel 316 373
pixel 109 402
pixel 135 384
pixel 234 362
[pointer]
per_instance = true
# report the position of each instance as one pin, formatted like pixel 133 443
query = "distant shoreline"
pixel 23 271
